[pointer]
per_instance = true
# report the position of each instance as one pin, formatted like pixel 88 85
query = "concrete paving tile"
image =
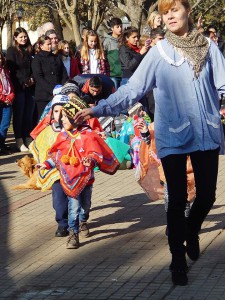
pixel 129 257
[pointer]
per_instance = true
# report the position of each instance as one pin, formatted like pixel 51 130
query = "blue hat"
pixel 57 89
pixel 59 100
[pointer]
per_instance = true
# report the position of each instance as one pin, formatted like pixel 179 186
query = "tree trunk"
pixel 56 21
pixel 76 28
pixel 133 9
pixel 0 38
pixel 9 33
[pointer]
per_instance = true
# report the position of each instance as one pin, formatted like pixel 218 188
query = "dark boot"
pixel 178 269
pixel 3 148
pixel 192 247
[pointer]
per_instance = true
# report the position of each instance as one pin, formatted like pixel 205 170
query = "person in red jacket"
pixel 6 99
pixel 70 62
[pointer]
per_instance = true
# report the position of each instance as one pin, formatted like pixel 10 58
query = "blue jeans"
pixel 79 209
pixel 23 113
pixel 116 81
pixel 60 204
pixel 5 117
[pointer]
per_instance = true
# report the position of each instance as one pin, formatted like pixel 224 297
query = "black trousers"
pixel 205 167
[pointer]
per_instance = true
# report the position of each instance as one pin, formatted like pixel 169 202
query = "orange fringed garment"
pixel 68 151
pixel 41 125
pixel 151 171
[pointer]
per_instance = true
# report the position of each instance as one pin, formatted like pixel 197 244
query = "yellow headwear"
pixel 74 105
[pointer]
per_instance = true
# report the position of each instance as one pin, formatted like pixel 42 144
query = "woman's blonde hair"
pixel 143 39
pixel 40 42
pixel 60 48
pixel 152 17
pixel 99 52
pixel 165 5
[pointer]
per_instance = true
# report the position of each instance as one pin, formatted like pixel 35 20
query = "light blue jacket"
pixel 186 108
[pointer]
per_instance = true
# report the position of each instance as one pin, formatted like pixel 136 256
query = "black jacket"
pixel 48 71
pixel 130 60
pixel 19 64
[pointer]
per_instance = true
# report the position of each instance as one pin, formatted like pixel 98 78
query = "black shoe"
pixel 61 232
pixel 179 278
pixel 193 248
pixel 5 151
pixel 178 269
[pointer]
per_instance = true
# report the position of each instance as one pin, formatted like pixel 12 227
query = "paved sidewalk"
pixel 126 256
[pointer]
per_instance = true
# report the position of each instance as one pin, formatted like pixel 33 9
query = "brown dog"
pixel 27 166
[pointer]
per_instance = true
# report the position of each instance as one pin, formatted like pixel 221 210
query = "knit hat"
pixel 57 89
pixel 74 105
pixel 59 100
pixel 70 88
pixel 135 109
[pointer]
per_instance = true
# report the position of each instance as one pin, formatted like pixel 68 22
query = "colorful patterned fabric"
pixel 120 149
pixel 76 145
pixel 103 66
pixel 135 145
pixel 126 131
pixel 46 121
pixel 73 106
pixel 148 170
pixel 40 148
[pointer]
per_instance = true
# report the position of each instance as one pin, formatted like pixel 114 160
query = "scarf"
pixel 194 47
pixel 6 89
pixel 133 47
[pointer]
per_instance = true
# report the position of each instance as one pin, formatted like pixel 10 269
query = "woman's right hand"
pixel 84 114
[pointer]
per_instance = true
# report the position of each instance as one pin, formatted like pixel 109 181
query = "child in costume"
pixel 44 137
pixel 77 150
pixel 150 172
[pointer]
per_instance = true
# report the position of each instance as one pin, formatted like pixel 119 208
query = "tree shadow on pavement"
pixel 135 210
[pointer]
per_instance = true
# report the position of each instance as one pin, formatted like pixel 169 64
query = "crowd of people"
pixel 65 106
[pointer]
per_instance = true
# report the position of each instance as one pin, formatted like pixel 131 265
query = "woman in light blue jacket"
pixel 187 73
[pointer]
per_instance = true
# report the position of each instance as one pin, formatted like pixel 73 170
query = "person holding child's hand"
pixel 186 73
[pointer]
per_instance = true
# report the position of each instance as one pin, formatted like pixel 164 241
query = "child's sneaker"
pixel 73 240
pixel 84 230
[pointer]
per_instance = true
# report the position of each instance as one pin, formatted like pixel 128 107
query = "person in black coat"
pixel 130 54
pixel 48 71
pixel 19 59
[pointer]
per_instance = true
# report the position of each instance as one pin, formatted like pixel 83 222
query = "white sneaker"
pixel 23 148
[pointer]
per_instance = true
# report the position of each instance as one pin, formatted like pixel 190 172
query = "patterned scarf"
pixel 134 47
pixel 6 88
pixel 194 47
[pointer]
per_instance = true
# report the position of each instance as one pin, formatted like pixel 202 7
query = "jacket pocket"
pixel 214 127
pixel 181 133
